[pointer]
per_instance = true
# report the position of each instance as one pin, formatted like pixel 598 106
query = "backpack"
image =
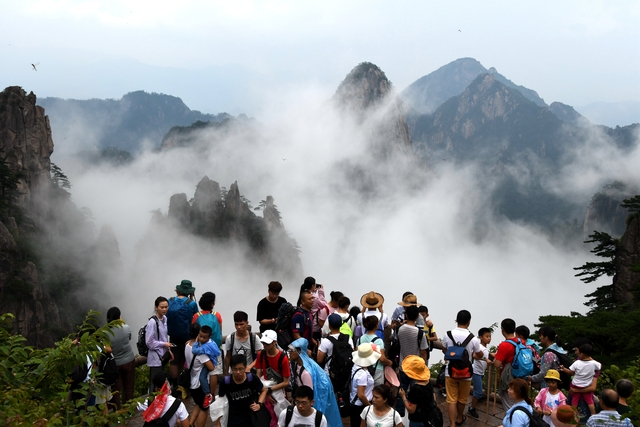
pixel 535 420
pixel 457 357
pixel 79 373
pixel 345 328
pixel 564 360
pixel 143 350
pixel 341 360
pixel 433 416
pixel 163 421
pixel 107 370
pixel 269 373
pixel 289 416
pixel 283 324
pixel 252 338
pixel 211 320
pixel 522 365
pixel 293 384
pixel 343 397
pixel 393 418
pixel 393 353
pixel 179 318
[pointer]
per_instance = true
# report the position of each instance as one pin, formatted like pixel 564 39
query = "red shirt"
pixel 272 362
pixel 506 352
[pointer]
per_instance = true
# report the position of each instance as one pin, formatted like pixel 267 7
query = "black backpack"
pixel 289 416
pixel 107 370
pixel 143 350
pixel 393 353
pixel 268 370
pixel 283 324
pixel 535 420
pixel 564 360
pixel 341 361
pixel 343 397
pixel 458 359
pixel 163 421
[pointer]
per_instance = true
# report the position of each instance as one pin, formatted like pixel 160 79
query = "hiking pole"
pixel 486 420
pixel 495 391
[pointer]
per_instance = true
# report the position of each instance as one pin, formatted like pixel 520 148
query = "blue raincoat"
pixel 324 399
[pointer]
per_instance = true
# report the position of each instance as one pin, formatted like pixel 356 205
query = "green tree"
pixel 606 247
pixel 58 178
pixel 8 189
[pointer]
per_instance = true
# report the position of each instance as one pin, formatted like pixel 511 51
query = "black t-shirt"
pixel 421 395
pixel 240 397
pixel 269 310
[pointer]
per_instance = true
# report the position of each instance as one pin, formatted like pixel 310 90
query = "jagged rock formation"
pixel 47 251
pixel 429 92
pixel 125 123
pixel 26 143
pixel 223 218
pixel 367 92
pixel 604 213
pixel 626 281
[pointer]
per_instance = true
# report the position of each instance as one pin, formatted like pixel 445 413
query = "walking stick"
pixel 495 391
pixel 486 420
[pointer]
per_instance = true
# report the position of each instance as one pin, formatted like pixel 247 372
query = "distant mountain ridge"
pixel 125 123
pixel 429 92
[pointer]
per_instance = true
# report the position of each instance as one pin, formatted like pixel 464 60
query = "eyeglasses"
pixel 301 402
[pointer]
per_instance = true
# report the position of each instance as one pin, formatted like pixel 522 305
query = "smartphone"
pixel 318 285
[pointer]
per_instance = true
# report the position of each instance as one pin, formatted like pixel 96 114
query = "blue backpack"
pixel 522 365
pixel 181 311
pixel 211 320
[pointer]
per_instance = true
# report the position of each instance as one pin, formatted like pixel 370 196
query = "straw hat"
pixel 552 374
pixel 409 300
pixel 372 300
pixel 415 368
pixel 365 355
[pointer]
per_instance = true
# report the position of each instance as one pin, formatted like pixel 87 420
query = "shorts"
pixel 198 398
pixel 217 370
pixel 178 352
pixel 457 390
pixel 576 397
pixel 477 385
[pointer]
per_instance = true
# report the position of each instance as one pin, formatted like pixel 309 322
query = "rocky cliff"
pixel 365 93
pixel 225 220
pixel 49 258
pixel 605 214
pixel 626 281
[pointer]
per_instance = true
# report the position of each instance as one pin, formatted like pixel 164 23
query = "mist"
pixel 426 229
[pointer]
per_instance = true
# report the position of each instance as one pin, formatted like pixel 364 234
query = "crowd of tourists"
pixel 319 362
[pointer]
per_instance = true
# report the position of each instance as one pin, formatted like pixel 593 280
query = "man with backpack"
pixel 241 342
pixel 413 342
pixel 552 358
pixel 459 347
pixel 302 320
pixel 182 307
pixel 273 364
pixel 173 411
pixel 513 358
pixel 302 413
pixel 335 352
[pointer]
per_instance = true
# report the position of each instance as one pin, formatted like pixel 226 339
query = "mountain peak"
pixel 363 87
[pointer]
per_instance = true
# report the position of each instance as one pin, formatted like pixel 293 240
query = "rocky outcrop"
pixel 227 220
pixel 568 114
pixel 365 93
pixel 25 141
pixel 626 281
pixel 605 214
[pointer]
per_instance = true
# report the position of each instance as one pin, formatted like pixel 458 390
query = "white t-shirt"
pixel 480 366
pixel 390 419
pixel 243 347
pixel 201 359
pixel 584 370
pixel 459 335
pixel 181 414
pixel 362 377
pixel 298 420
pixel 384 320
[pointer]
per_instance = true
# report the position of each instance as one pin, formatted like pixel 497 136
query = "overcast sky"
pixel 235 56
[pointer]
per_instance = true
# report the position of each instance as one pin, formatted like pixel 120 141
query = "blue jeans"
pixel 204 380
pixel 405 382
pixel 476 380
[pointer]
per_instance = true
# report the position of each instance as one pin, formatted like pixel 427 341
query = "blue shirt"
pixel 520 419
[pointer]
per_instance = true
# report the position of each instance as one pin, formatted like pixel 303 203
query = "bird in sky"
pixel 34 66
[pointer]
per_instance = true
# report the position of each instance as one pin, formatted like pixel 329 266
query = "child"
pixel 550 397
pixel 479 367
pixel 429 330
pixel 204 345
pixel 584 370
